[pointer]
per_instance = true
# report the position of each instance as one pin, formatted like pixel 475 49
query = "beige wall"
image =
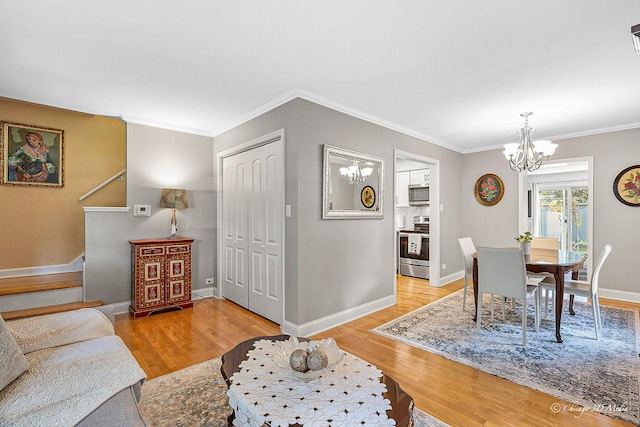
pixel 44 226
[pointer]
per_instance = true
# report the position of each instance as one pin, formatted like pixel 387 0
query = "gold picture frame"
pixel 31 155
pixel 489 189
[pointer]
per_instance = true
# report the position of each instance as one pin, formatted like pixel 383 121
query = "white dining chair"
pixel 550 243
pixel 585 288
pixel 468 249
pixel 544 243
pixel 502 272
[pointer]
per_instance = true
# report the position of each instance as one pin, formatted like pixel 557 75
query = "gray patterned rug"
pixel 197 396
pixel 598 375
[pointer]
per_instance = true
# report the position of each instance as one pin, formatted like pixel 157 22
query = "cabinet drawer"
pixel 178 249
pixel 147 251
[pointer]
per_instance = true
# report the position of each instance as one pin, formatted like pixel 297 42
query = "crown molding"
pixel 596 131
pixel 589 132
pixel 325 102
pixel 168 126
pixel 328 103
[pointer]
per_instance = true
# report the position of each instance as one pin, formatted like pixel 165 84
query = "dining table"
pixel 555 262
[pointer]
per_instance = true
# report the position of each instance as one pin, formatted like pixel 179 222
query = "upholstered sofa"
pixel 67 369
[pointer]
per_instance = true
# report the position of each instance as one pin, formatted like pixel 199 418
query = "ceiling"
pixel 457 73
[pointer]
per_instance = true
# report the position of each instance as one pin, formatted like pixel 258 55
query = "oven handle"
pixel 408 234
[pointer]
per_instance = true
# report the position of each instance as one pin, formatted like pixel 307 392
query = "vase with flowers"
pixel 524 242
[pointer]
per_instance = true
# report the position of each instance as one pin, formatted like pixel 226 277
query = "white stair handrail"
pixel 118 175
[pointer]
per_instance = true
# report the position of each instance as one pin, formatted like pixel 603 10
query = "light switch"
pixel 287 211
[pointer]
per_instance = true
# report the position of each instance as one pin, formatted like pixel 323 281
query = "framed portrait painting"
pixel 489 189
pixel 32 155
pixel 626 186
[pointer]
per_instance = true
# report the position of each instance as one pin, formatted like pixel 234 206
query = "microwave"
pixel 418 194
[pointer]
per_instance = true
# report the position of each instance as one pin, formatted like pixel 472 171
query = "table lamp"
pixel 173 198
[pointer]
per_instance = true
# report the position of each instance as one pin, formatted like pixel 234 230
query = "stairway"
pixel 44 294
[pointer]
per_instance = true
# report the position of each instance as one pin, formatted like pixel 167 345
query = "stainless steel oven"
pixel 413 249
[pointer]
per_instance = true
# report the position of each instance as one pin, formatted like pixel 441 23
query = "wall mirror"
pixel 352 184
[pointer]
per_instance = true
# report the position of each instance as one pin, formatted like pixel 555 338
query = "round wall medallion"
pixel 368 197
pixel 626 186
pixel 489 189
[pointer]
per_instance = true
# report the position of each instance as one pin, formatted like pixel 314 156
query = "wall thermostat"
pixel 141 210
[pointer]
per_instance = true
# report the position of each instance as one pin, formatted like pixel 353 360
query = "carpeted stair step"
pixel 37 311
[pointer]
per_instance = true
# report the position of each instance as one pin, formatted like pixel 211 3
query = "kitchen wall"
pixel 44 226
pixel 613 222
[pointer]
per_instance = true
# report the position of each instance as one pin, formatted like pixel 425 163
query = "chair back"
pixel 596 271
pixel 502 271
pixel 545 243
pixel 468 249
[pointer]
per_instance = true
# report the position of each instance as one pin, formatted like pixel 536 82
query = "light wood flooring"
pixel 455 393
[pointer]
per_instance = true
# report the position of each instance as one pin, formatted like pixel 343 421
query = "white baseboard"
pixel 445 280
pixel 619 295
pixel 196 294
pixel 337 319
pixel 75 265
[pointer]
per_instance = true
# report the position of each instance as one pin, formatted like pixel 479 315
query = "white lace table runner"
pixel 350 394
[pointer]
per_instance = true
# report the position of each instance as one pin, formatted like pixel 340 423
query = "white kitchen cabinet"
pixel 402 188
pixel 419 176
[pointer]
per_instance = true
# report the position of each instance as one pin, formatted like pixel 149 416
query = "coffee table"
pixel 401 402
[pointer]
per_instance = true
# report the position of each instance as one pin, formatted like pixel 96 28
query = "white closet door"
pixel 236 255
pixel 253 221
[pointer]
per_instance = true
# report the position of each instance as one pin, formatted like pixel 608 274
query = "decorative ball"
pixel 298 360
pixel 317 360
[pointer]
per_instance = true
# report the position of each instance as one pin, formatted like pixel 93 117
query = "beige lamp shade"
pixel 174 198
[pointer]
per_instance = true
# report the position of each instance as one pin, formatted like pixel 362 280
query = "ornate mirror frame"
pixel 344 200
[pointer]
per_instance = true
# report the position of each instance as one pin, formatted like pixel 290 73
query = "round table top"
pixel 551 256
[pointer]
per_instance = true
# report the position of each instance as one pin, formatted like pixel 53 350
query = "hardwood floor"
pixel 455 393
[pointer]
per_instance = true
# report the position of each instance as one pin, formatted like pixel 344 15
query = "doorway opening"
pixel 558 201
pixel 411 213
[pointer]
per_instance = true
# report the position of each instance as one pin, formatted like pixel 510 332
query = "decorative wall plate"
pixel 489 189
pixel 368 196
pixel 626 186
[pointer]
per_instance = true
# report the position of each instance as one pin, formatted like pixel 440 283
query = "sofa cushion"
pixel 57 329
pixel 64 384
pixel 12 360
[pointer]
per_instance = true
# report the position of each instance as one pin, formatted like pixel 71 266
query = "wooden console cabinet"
pixel 160 275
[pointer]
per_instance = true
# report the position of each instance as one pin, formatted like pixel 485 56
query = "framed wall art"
pixel 626 186
pixel 32 155
pixel 489 189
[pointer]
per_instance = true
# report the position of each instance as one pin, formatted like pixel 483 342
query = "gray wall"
pixel 156 158
pixel 336 265
pixel 613 222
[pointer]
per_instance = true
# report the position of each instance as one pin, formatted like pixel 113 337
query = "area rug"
pixel 197 396
pixel 597 375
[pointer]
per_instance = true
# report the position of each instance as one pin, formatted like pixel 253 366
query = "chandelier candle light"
pixel 355 174
pixel 528 155
pixel 173 199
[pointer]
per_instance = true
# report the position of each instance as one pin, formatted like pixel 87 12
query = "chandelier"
pixel 528 155
pixel 355 174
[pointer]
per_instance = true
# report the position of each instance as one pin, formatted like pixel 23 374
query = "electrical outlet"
pixel 444 266
pixel 208 281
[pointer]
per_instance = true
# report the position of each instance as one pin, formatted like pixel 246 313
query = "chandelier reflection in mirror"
pixel 528 155
pixel 355 174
